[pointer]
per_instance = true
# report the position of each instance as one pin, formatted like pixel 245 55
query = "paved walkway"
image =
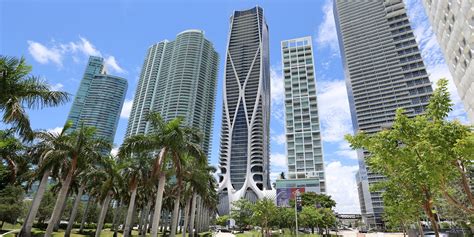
pixel 220 234
pixel 349 233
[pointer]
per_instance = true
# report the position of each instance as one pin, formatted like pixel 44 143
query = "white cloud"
pixel 44 55
pixel 344 150
pixel 280 139
pixel 342 187
pixel 334 110
pixel 83 46
pixel 327 35
pixel 278 160
pixel 57 87
pixel 55 130
pixel 278 94
pixel 114 151
pixel 58 52
pixel 111 63
pixel 127 107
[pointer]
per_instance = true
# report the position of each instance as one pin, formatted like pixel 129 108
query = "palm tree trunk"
pixel 193 215
pixel 84 215
pixel 140 220
pixel 26 230
pixel 63 208
pixel 175 215
pixel 72 218
pixel 186 215
pixel 131 206
pixel 103 212
pixel 158 203
pixel 144 228
pixel 60 200
pixel 198 215
pixel 116 213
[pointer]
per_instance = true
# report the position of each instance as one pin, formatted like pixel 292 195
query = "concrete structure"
pixel 384 71
pixel 244 151
pixel 303 132
pixel 453 24
pixel 99 100
pixel 178 78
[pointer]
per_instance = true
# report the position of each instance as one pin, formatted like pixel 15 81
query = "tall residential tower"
pixel 384 71
pixel 99 100
pixel 178 78
pixel 244 151
pixel 453 24
pixel 303 133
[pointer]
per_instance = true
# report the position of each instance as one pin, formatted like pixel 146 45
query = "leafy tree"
pixel 317 200
pixel 285 218
pixel 46 208
pixel 311 217
pixel 241 212
pixel 222 220
pixel 399 210
pixel 422 156
pixel 264 212
pixel 20 90
pixel 12 151
pixel 328 218
pixel 11 204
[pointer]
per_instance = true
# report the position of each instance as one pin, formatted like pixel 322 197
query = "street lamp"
pixel 297 202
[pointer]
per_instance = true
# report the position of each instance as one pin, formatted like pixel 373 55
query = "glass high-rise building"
pixel 178 79
pixel 453 24
pixel 99 100
pixel 384 71
pixel 303 133
pixel 244 150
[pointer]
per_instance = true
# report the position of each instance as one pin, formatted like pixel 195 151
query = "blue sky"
pixel 56 37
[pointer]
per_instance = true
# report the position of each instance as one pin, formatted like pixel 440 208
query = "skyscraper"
pixel 178 78
pixel 453 24
pixel 303 133
pixel 384 71
pixel 244 151
pixel 99 100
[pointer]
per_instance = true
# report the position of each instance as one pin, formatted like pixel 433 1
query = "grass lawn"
pixel 255 233
pixel 75 232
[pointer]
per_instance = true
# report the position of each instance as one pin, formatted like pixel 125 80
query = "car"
pixel 432 234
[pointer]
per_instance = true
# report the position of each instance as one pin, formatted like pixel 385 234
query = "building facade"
pixel 384 71
pixel 99 100
pixel 453 24
pixel 303 132
pixel 178 79
pixel 244 150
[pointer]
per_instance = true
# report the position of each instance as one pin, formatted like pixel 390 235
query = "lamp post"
pixel 297 201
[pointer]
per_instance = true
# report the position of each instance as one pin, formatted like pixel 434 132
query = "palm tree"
pixel 78 151
pixel 43 152
pixel 168 138
pixel 12 151
pixel 136 172
pixel 195 176
pixel 112 180
pixel 82 182
pixel 204 194
pixel 18 90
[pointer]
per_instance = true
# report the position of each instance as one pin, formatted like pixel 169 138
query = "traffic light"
pixel 299 207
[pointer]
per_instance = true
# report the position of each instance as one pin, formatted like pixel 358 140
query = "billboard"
pixel 284 195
